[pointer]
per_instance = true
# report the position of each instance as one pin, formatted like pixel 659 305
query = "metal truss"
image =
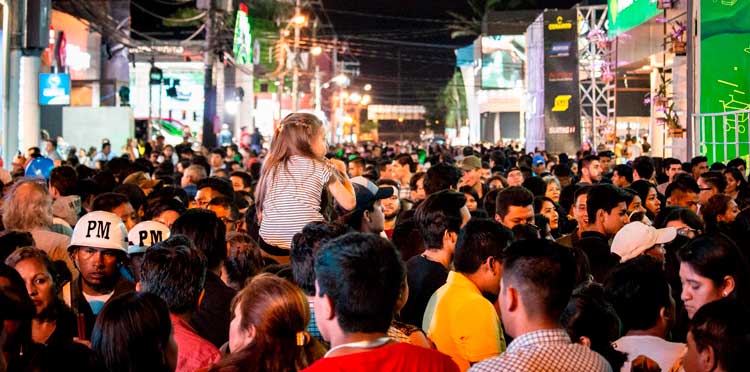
pixel 596 77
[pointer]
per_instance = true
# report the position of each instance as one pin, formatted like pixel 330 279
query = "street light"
pixel 316 51
pixel 341 79
pixel 355 97
pixel 366 99
pixel 368 87
pixel 299 20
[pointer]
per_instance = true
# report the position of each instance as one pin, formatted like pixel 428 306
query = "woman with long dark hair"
pixel 268 329
pixel 133 333
pixel 649 197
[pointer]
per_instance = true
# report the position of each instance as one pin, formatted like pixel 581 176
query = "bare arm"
pixel 340 186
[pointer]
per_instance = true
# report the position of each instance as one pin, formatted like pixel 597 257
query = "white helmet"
pixel 100 229
pixel 145 234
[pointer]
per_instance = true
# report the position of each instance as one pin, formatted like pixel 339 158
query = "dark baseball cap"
pixel 368 193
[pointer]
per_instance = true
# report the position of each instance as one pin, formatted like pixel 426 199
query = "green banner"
pixel 625 14
pixel 725 78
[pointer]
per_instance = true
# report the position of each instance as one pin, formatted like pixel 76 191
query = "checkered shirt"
pixel 548 350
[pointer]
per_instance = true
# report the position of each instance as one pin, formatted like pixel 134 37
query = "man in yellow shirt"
pixel 459 318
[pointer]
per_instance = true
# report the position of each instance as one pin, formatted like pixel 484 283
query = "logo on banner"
pixel 560 76
pixel 562 130
pixel 561 49
pixel 562 103
pixel 560 25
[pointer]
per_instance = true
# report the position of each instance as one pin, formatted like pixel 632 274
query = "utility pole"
pixel 209 89
pixel 295 64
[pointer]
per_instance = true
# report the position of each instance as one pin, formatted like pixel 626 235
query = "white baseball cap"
pixel 100 229
pixel 637 237
pixel 145 234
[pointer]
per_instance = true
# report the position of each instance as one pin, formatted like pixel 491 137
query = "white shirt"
pixel 661 351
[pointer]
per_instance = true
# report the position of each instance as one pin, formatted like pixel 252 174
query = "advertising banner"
pixel 625 14
pixel 562 113
pixel 724 77
pixel 54 89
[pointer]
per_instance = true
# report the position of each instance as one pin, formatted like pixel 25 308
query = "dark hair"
pixel 132 333
pixel 470 190
pixel 562 170
pixel 697 160
pixel 441 176
pixel 244 260
pixel 439 213
pixel 683 214
pixel 362 276
pixel 414 179
pixel 683 182
pixel 220 185
pixel 133 193
pixel 357 160
pixel 10 240
pixel 516 196
pixel 219 151
pixel 405 159
pixel 480 239
pixel 536 185
pixel 588 314
pixel 157 206
pixel 714 257
pixel 624 170
pixel 490 201
pixel 247 179
pixel 736 163
pixel 174 272
pixel 715 179
pixel 206 231
pixel 717 205
pixel 108 201
pixel 546 273
pixel 644 166
pixel 406 237
pixel 227 203
pixel 638 289
pixel 539 203
pixel 603 196
pixel 278 311
pixel 586 161
pixel 724 327
pixel 642 188
pixel 305 246
pixel 64 179
pixel 171 192
pixel 668 162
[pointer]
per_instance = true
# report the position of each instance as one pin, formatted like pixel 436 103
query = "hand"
pixel 339 165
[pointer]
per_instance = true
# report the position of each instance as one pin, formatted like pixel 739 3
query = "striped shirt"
pixel 293 199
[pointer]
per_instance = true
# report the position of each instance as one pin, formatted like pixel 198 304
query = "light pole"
pixel 298 21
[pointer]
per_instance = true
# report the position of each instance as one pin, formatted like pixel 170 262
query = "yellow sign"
pixel 560 25
pixel 562 103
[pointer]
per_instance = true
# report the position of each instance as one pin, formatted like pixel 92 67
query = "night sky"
pixel 424 69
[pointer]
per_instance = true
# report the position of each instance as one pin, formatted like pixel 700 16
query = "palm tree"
pixel 471 25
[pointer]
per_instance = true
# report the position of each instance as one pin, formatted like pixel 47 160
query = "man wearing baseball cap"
pixel 98 248
pixel 367 216
pixel 472 167
pixel 538 165
pixel 637 238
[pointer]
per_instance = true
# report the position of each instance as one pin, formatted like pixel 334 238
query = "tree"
pixel 471 25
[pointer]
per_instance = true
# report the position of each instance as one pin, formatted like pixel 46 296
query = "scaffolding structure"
pixel 597 83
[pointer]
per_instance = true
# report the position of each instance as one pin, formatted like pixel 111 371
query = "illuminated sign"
pixel 243 40
pixel 561 49
pixel 623 15
pixel 562 103
pixel 560 24
pixel 54 89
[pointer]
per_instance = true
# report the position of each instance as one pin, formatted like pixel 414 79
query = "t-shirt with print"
pixel 400 357
pixel 293 198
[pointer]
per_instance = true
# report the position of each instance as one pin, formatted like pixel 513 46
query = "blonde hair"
pixel 27 206
pixel 292 137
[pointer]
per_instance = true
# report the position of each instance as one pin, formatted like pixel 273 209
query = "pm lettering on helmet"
pixel 156 236
pixel 101 227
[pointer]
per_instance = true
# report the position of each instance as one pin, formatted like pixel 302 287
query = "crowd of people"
pixel 373 257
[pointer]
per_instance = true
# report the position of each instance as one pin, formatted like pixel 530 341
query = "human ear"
pixel 728 286
pixel 585 341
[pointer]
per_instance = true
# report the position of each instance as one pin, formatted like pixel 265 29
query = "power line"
pixel 168 19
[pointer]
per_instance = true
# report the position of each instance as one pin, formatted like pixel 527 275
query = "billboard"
pixel 503 58
pixel 243 39
pixel 54 89
pixel 725 77
pixel 625 14
pixel 562 113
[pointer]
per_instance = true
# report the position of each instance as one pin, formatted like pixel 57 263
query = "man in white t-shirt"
pixel 640 294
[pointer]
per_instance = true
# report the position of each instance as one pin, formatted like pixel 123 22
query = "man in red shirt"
pixel 176 272
pixel 357 282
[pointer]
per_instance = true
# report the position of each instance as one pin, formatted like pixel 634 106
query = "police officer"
pixel 98 249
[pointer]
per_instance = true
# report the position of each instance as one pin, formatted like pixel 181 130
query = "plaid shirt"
pixel 545 350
